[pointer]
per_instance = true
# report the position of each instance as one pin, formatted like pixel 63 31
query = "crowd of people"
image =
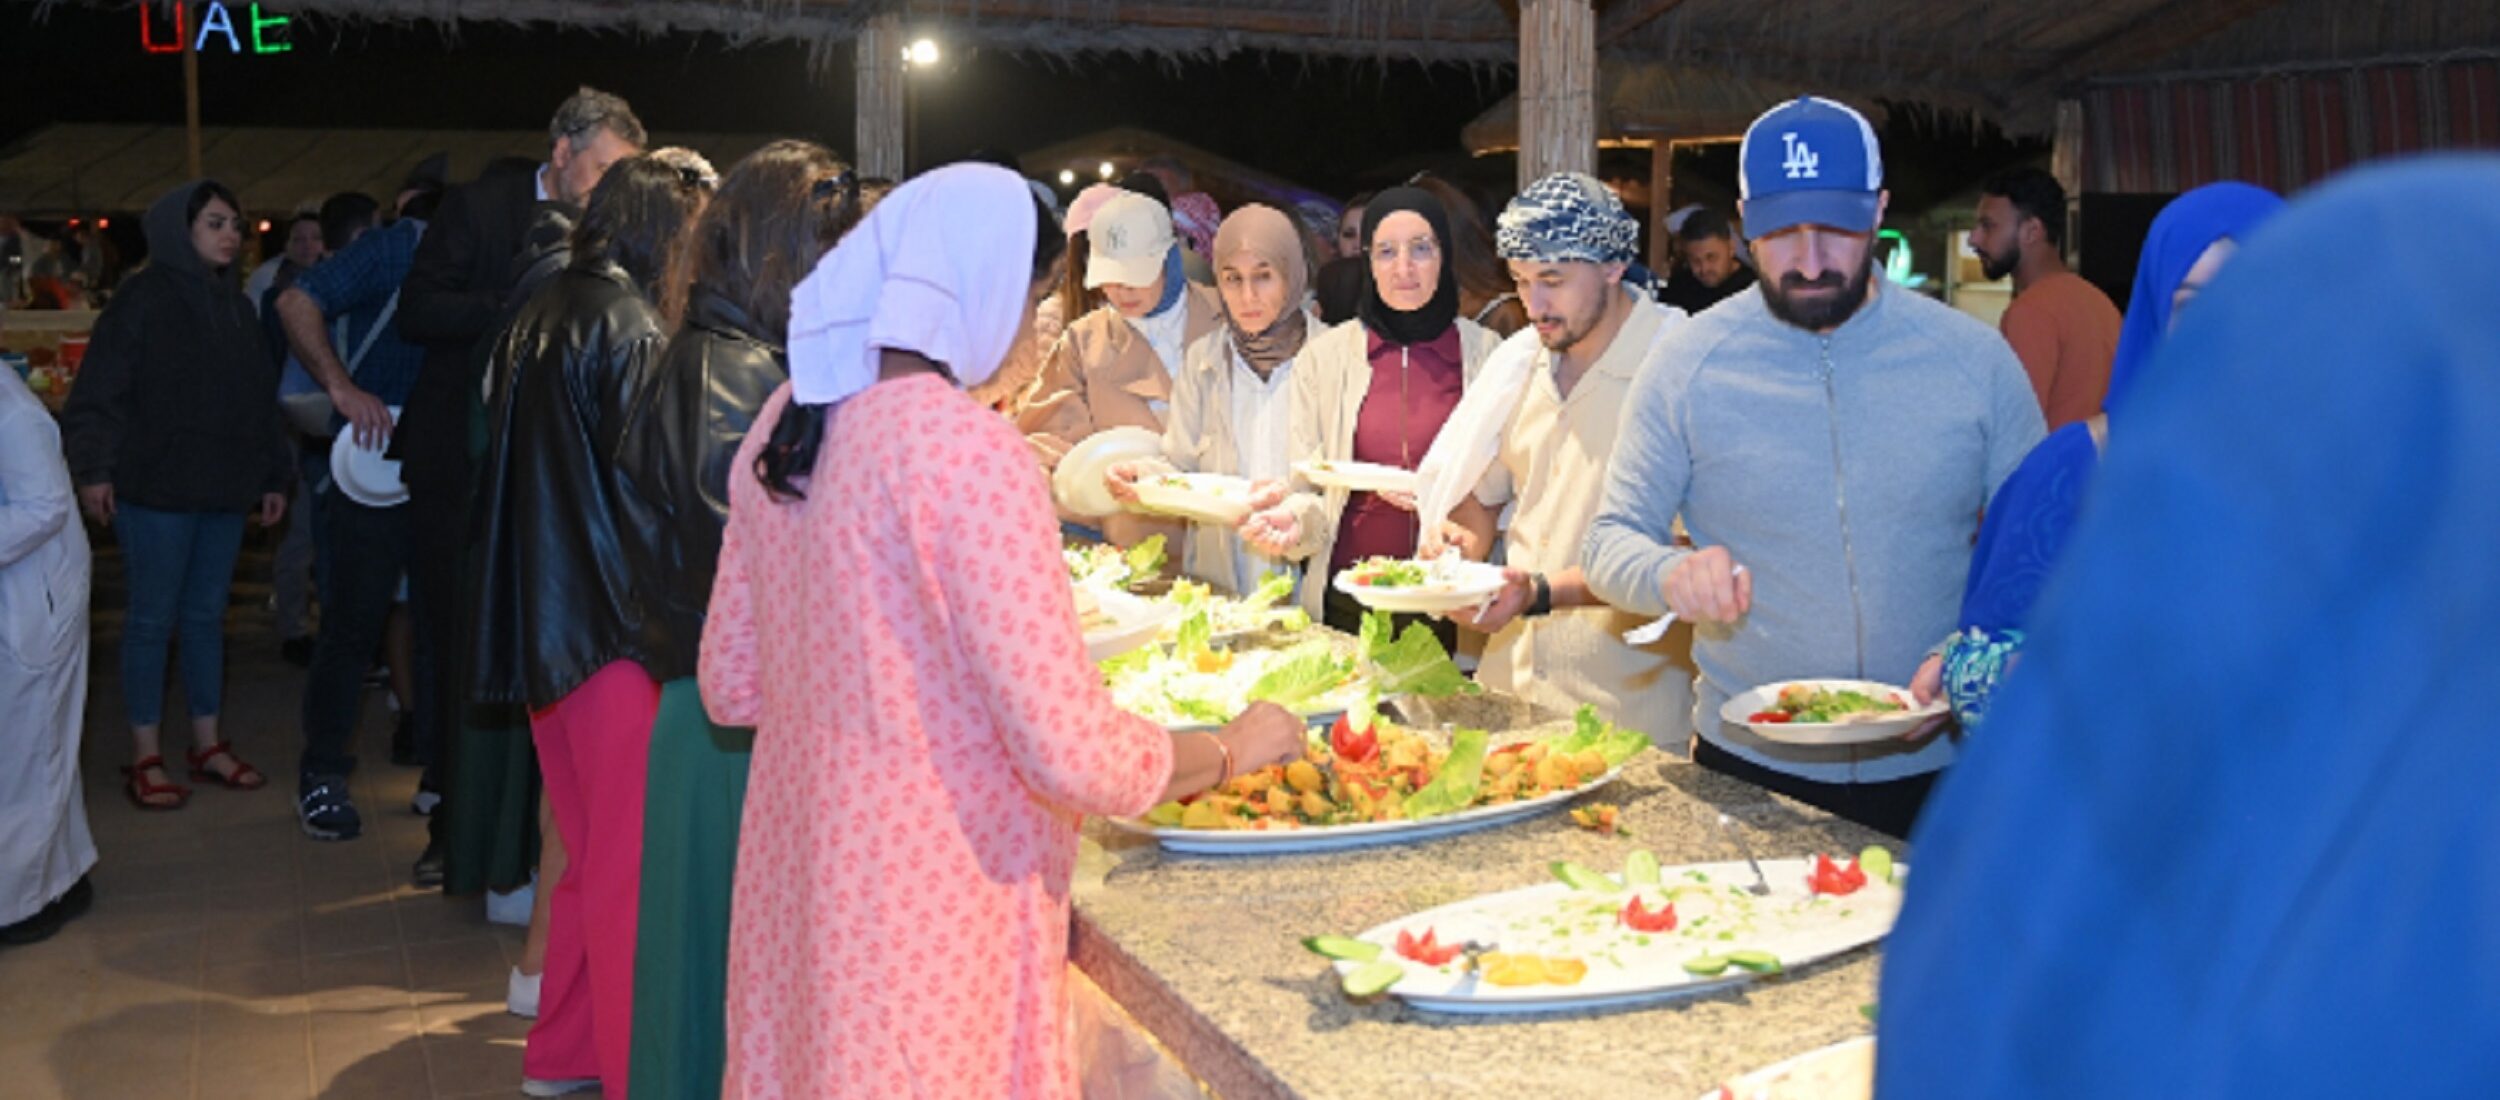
pixel 722 488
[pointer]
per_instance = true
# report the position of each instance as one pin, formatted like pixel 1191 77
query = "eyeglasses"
pixel 845 185
pixel 696 179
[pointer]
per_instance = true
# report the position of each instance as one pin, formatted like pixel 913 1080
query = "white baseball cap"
pixel 1129 239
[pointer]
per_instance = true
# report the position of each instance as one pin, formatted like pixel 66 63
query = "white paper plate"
pixel 1357 477
pixel 1743 706
pixel 1207 498
pixel 1240 842
pixel 1134 622
pixel 1788 923
pixel 1842 1071
pixel 1078 482
pixel 1468 584
pixel 363 474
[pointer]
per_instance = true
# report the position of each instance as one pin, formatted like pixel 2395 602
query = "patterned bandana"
pixel 1565 217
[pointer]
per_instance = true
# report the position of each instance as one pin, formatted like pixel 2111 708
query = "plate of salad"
pixel 1196 682
pixel 1102 565
pixel 1265 609
pixel 1357 477
pixel 1116 622
pixel 1206 498
pixel 1433 587
pixel 1842 1071
pixel 1590 939
pixel 1376 782
pixel 1828 712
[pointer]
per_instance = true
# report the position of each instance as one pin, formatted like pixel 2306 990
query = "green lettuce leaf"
pixel 1197 710
pixel 1188 593
pixel 1145 561
pixel 1611 741
pixel 1276 587
pixel 1128 664
pixel 1413 664
pixel 1302 676
pixel 1196 635
pixel 1455 788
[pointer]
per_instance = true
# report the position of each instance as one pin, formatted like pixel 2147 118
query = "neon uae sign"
pixel 217 20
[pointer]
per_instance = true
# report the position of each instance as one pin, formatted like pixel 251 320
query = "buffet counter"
pixel 1204 953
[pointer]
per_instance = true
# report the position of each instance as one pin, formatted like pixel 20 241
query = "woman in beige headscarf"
pixel 1232 398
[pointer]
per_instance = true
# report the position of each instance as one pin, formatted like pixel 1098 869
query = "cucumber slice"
pixel 1581 878
pixel 1760 962
pixel 1342 947
pixel 1640 869
pixel 1373 978
pixel 1707 966
pixel 1876 861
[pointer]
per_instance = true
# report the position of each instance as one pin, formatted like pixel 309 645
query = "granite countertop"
pixel 1205 952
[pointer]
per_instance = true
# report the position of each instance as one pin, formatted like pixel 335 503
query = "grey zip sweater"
pixel 1846 472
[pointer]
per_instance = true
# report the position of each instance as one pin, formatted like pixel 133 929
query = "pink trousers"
pixel 594 747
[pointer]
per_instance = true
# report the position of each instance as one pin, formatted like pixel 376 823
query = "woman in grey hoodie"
pixel 174 438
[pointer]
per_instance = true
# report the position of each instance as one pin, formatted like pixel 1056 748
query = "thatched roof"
pixel 2006 60
pixel 1653 102
pixel 1231 182
pixel 83 168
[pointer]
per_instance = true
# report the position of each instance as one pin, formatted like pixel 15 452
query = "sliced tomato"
pixel 1640 918
pixel 1352 746
pixel 1427 949
pixel 1768 717
pixel 1835 879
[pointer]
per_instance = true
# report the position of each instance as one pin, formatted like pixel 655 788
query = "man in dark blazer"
pixel 450 303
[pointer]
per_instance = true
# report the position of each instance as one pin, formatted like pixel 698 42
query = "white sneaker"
pixel 424 803
pixel 513 908
pixel 531 1086
pixel 520 998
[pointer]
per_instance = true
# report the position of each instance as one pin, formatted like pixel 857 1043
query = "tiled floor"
pixel 227 955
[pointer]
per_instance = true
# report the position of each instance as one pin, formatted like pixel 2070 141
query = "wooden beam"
pixel 1624 20
pixel 1297 24
pixel 880 133
pixel 1557 88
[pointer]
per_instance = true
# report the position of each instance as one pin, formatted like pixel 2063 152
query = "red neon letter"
pixel 147 32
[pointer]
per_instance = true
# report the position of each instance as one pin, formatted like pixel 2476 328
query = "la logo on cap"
pixel 1801 160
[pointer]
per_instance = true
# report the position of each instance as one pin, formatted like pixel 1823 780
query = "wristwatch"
pixel 1543 602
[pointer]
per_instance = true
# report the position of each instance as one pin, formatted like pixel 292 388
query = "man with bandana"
pixel 1535 435
pixel 1828 443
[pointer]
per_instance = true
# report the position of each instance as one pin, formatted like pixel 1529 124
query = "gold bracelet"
pixel 1227 750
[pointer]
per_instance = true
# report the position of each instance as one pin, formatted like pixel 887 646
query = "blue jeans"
pixel 372 553
pixel 181 565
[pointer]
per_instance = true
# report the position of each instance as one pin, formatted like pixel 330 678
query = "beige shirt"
pixel 1103 374
pixel 1334 376
pixel 1552 466
pixel 1226 421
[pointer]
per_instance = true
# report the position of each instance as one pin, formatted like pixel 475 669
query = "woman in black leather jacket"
pixel 729 294
pixel 560 624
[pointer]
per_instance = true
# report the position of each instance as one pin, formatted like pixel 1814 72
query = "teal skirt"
pixel 698 788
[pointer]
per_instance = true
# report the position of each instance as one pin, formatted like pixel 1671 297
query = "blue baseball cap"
pixel 1812 161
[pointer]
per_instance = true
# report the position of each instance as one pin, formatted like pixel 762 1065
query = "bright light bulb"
pixel 923 52
pixel 1105 169
pixel 1067 177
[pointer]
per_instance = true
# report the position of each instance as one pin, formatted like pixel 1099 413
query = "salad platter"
pixel 1381 783
pixel 1828 712
pixel 1357 477
pixel 1842 1071
pixel 1206 498
pixel 1438 586
pixel 1647 933
pixel 1196 683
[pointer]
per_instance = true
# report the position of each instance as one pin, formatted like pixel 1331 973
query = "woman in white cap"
pixel 1114 367
pixel 892 615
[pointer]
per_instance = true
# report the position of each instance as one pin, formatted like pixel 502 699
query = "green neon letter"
pixel 270 44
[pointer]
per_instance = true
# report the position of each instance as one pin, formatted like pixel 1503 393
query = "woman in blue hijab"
pixel 2027 522
pixel 2232 833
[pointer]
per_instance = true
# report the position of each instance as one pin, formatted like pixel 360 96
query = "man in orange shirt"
pixel 2062 327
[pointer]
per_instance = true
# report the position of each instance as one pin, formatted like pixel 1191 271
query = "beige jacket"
pixel 1198 438
pixel 1331 377
pixel 1103 375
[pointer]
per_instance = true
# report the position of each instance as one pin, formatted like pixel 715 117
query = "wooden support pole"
pixel 1661 204
pixel 2066 163
pixel 1557 88
pixel 880 132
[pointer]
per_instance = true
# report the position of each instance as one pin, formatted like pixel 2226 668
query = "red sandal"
pixel 140 790
pixel 244 777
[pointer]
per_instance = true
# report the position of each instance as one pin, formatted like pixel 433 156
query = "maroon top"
pixel 1414 389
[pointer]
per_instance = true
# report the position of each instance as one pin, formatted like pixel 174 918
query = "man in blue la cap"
pixel 1829 442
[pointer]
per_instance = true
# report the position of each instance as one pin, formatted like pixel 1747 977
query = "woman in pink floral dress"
pixel 892 614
